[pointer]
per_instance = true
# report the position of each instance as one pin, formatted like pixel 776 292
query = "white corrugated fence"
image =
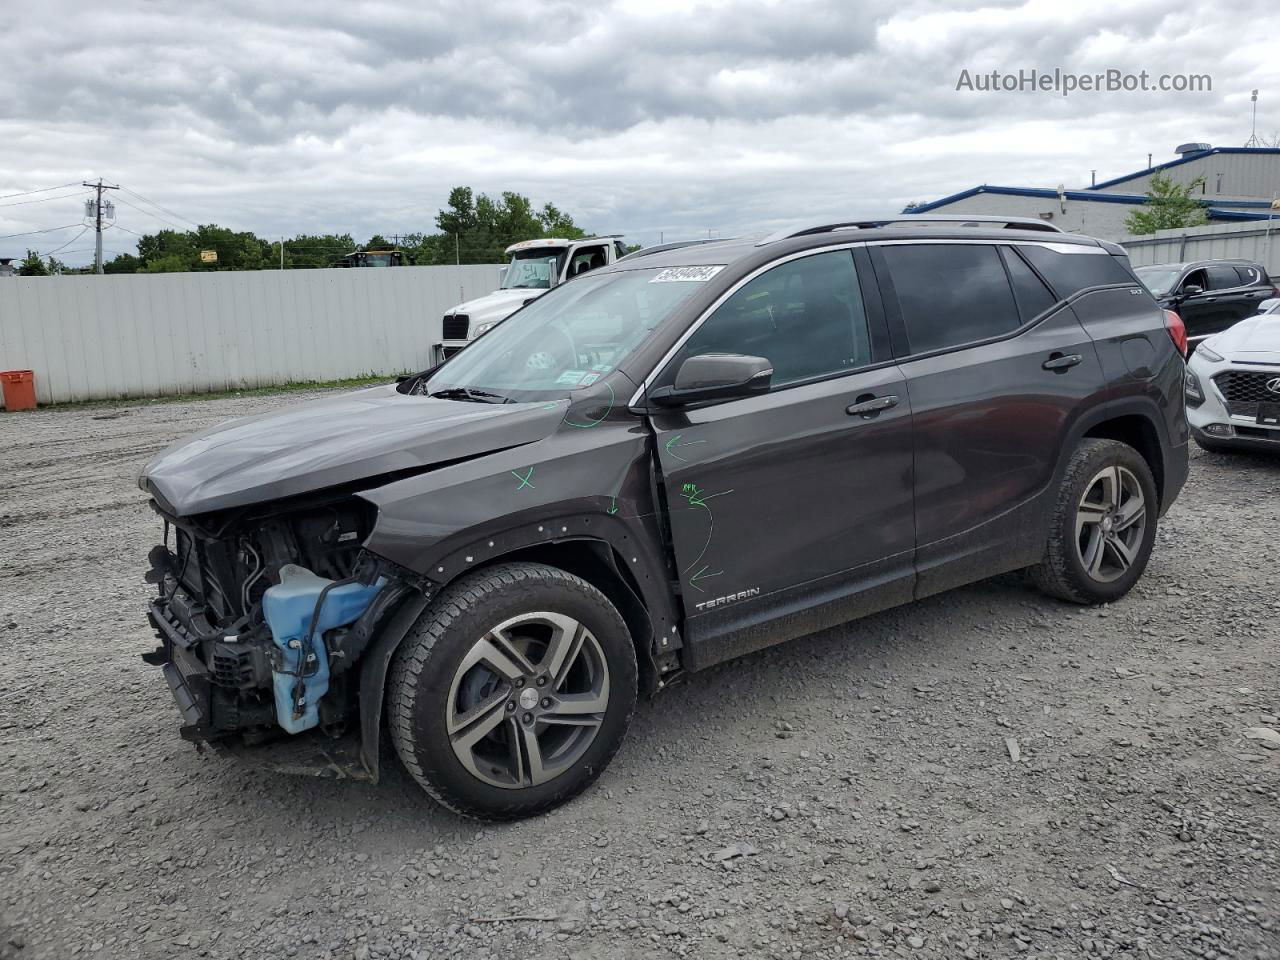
pixel 147 335
pixel 1255 240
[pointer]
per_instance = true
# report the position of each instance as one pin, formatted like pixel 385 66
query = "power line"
pixel 27 193
pixel 61 196
pixel 135 193
pixel 32 233
pixel 153 216
pixel 68 243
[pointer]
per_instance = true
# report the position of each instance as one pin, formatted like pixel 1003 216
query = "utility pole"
pixel 97 210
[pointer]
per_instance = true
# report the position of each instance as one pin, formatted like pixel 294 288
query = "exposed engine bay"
pixel 263 611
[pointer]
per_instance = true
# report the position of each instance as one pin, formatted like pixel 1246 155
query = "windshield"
pixel 531 270
pixel 565 340
pixel 1159 280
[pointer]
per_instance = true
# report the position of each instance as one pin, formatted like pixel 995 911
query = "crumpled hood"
pixel 1255 340
pixel 336 440
pixel 496 305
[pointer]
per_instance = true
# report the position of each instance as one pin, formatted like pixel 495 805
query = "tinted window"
pixel 1222 278
pixel 950 293
pixel 806 317
pixel 1248 275
pixel 1032 295
pixel 1069 273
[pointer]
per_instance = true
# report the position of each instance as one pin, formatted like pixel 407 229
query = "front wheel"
pixel 1103 525
pixel 512 692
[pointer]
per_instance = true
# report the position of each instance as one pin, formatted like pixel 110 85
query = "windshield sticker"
pixel 684 274
pixel 571 377
pixel 601 367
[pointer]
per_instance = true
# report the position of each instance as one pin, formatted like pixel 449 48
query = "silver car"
pixel 1233 385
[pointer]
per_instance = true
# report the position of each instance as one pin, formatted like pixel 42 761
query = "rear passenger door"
pixel 1228 296
pixel 997 370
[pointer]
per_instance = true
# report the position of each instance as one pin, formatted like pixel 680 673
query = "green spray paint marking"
pixel 702 575
pixel 697 497
pixel 613 506
pixel 524 481
pixel 613 398
pixel 676 442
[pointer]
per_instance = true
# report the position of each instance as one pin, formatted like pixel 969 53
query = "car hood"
pixel 1251 339
pixel 336 440
pixel 496 305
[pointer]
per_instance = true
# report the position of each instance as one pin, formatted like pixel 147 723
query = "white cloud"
pixel 643 117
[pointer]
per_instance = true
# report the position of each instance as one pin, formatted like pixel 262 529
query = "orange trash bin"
pixel 19 389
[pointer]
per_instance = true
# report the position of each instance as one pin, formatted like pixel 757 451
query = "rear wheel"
pixel 513 691
pixel 1103 525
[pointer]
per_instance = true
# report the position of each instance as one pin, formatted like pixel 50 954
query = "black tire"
pixel 422 693
pixel 1062 573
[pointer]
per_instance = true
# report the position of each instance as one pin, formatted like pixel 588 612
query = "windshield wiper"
pixel 467 393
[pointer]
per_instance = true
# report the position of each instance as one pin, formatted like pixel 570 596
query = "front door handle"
pixel 1059 362
pixel 871 406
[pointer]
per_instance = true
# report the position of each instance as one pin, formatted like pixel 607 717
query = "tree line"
pixel 472 228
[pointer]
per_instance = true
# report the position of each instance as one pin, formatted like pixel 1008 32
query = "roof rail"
pixel 1012 223
pixel 662 247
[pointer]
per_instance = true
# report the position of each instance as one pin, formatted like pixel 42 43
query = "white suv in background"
pixel 535 267
pixel 1233 385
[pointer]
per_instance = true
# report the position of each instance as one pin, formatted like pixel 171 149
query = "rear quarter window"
pixel 1069 273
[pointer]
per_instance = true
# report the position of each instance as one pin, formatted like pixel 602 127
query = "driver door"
pixel 799 499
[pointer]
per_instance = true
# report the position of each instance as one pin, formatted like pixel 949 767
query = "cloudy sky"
pixel 640 117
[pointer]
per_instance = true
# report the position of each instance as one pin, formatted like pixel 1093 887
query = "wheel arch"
pixel 1139 432
pixel 1138 422
pixel 650 621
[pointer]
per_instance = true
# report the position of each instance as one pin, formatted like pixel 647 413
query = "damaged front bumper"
pixel 211 716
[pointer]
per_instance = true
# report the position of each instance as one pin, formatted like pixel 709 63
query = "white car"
pixel 1233 385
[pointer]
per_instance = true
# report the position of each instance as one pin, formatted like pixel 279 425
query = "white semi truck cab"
pixel 535 267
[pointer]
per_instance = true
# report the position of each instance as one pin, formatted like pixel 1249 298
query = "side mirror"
pixel 1191 290
pixel 715 376
pixel 1269 306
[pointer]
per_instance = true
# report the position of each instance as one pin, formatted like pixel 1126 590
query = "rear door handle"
pixel 1060 362
pixel 871 406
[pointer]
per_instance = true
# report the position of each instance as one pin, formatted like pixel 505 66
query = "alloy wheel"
pixel 1111 520
pixel 527 700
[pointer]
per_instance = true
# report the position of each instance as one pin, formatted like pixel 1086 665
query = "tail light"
pixel 1177 331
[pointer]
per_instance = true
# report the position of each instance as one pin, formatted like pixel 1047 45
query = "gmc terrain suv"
pixel 693 453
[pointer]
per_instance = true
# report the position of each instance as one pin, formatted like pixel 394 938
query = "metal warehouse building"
pixel 1240 184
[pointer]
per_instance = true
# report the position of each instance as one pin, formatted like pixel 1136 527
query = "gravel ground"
pixel 985 774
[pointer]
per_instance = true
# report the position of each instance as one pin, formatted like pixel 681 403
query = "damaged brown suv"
pixel 695 452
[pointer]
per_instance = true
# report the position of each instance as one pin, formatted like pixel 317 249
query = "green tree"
pixel 32 266
pixel 123 263
pixel 1169 206
pixel 478 228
